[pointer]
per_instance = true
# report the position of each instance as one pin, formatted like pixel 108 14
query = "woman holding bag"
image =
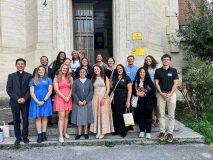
pixel 144 88
pixel 122 88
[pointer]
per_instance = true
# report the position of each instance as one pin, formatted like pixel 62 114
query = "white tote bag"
pixel 6 129
pixel 128 119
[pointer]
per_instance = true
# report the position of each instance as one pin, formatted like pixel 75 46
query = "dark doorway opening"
pixel 93 28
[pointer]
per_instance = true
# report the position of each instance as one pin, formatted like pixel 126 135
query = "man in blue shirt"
pixel 131 69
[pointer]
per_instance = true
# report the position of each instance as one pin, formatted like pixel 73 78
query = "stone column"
pixel 120 49
pixel 63 10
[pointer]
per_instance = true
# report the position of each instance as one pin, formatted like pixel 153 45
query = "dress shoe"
pixel 26 140
pixel 11 123
pixel 44 136
pixel 17 142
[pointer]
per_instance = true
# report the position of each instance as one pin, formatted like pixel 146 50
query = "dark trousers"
pixel 144 113
pixel 24 110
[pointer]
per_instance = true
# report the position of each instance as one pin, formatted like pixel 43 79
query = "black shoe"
pixel 26 140
pixel 44 136
pixel 123 134
pixel 50 124
pixel 86 136
pixel 115 133
pixel 10 123
pixel 78 136
pixel 17 142
pixel 39 139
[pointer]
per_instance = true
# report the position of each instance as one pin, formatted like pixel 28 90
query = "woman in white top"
pixel 152 65
pixel 75 60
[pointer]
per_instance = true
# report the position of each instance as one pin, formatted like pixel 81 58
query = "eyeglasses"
pixel 166 59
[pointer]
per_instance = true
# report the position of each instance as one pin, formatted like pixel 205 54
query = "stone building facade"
pixel 30 29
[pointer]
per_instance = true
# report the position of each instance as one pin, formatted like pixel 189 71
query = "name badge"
pixel 122 80
pixel 169 74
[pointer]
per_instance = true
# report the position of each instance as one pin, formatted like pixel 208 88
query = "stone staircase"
pixel 182 134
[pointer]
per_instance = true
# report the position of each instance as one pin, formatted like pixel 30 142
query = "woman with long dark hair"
pixel 152 65
pixel 86 66
pixel 144 88
pixel 123 89
pixel 102 111
pixel 109 71
pixel 60 59
pixel 75 60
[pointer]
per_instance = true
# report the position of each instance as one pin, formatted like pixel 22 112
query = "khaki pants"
pixel 171 105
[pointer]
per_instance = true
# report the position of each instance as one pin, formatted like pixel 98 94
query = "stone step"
pixel 109 140
pixel 53 131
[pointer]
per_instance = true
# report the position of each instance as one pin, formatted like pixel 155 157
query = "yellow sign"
pixel 137 36
pixel 138 52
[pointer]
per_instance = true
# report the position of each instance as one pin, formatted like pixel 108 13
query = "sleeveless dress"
pixel 59 104
pixel 40 91
pixel 103 122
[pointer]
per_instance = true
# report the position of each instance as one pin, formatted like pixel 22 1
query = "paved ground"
pixel 126 152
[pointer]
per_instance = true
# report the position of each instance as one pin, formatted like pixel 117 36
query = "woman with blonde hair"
pixel 63 101
pixel 41 104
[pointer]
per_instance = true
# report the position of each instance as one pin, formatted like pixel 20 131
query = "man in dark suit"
pixel 44 62
pixel 18 90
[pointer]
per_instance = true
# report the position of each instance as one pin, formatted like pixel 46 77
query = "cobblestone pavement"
pixel 126 152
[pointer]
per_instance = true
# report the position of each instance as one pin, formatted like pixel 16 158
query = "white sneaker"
pixel 141 135
pixel 148 135
pixel 61 139
pixel 66 135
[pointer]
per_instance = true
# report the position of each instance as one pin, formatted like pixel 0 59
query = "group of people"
pixel 80 92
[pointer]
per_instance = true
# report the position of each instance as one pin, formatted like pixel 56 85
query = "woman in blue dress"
pixel 40 104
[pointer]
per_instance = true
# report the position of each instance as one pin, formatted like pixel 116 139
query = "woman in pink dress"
pixel 63 102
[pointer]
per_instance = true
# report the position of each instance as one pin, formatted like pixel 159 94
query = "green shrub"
pixel 197 87
pixel 204 128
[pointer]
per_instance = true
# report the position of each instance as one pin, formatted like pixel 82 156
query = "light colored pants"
pixel 171 105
